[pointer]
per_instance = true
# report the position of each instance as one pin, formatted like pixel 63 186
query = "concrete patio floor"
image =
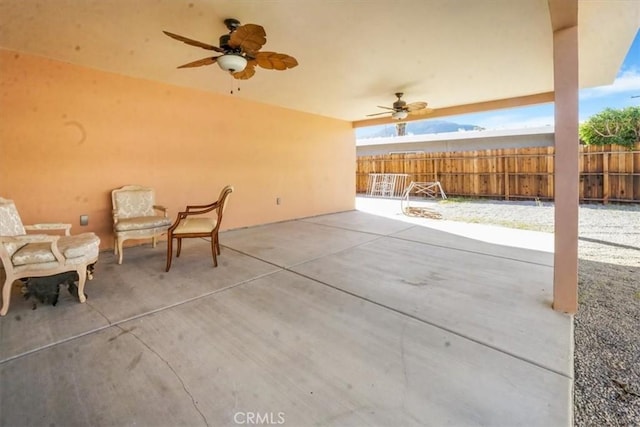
pixel 342 319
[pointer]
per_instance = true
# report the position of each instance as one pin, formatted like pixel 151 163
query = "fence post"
pixel 476 177
pixel 506 177
pixel 605 177
pixel 516 160
pixel 435 169
pixel 550 171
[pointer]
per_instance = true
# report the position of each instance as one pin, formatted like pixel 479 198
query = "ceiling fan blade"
pixel 250 38
pixel 377 114
pixel 247 73
pixel 386 108
pixel 200 62
pixel 421 112
pixel 275 61
pixel 193 42
pixel 415 106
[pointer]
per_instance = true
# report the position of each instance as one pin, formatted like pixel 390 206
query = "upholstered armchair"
pixel 36 255
pixel 136 216
pixel 194 222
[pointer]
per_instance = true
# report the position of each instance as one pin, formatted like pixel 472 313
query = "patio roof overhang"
pixel 458 56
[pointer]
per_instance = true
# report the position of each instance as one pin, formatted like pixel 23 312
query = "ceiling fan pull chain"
pixel 232 86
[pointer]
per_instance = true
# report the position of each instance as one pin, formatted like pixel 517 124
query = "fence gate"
pixel 387 184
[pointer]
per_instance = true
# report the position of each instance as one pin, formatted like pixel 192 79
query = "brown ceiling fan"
pixel 401 109
pixel 240 51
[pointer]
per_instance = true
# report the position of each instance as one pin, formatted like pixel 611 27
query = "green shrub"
pixel 612 126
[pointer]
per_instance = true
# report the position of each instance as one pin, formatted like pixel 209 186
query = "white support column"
pixel 567 179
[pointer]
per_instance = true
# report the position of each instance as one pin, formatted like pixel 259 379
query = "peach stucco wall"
pixel 69 135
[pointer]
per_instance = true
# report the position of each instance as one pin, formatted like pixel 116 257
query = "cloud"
pixel 627 81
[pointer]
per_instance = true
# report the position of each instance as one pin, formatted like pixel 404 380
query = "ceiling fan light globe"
pixel 232 62
pixel 399 115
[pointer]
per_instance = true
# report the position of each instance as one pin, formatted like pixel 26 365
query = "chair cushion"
pixel 78 246
pixel 142 223
pixel 196 225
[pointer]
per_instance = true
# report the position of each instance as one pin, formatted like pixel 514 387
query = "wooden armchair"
pixel 191 223
pixel 37 255
pixel 135 216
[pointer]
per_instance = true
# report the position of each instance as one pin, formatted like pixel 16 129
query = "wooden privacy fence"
pixel 607 173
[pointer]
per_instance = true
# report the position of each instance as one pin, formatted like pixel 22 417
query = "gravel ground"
pixel 607 325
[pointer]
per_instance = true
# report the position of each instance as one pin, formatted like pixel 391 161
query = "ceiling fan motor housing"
pixel 399 104
pixel 224 42
pixel 232 24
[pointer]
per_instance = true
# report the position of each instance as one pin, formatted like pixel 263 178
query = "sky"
pixel 591 101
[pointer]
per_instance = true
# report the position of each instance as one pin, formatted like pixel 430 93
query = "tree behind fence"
pixel 607 173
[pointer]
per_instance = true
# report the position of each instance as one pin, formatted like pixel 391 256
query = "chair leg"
pixel 120 241
pixel 82 279
pixel 213 252
pixel 179 239
pixel 115 246
pixel 169 250
pixel 6 293
pixel 154 241
pixel 217 244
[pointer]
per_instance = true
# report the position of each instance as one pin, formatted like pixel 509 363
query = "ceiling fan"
pixel 401 109
pixel 240 51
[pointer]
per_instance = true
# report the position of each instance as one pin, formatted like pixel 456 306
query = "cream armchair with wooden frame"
pixel 36 255
pixel 135 216
pixel 191 223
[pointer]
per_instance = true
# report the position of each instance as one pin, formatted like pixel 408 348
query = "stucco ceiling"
pixel 353 54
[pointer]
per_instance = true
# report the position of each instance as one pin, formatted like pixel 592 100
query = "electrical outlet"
pixel 277 200
pixel 84 219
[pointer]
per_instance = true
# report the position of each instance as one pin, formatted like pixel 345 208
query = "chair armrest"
pixel 49 227
pixel 25 239
pixel 161 208
pixel 200 209
pixel 29 238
